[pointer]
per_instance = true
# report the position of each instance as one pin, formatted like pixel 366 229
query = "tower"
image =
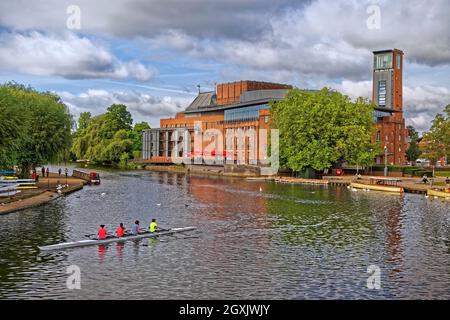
pixel 387 95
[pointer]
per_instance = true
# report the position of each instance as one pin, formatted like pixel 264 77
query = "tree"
pixel 319 128
pixel 44 130
pixel 108 138
pixel 136 136
pixel 436 142
pixel 120 117
pixel 11 128
pixel 83 121
pixel 413 152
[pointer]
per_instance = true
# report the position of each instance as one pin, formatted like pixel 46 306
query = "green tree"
pixel 120 117
pixel 136 136
pixel 436 142
pixel 11 129
pixel 45 126
pixel 108 138
pixel 83 121
pixel 319 128
pixel 413 152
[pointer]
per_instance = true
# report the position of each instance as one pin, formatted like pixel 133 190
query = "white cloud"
pixel 138 103
pixel 420 103
pixel 67 55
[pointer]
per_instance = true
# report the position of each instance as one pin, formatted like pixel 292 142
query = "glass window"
pixel 382 93
pixel 399 61
pixel 266 119
pixel 383 61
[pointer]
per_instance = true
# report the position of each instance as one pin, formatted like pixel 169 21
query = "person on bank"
pixel 120 231
pixel 102 232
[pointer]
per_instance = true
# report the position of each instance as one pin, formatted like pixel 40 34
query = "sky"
pixel 151 54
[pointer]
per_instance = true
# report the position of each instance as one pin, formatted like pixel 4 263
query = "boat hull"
pixel 93 242
pixel 9 193
pixel 391 189
pixel 437 193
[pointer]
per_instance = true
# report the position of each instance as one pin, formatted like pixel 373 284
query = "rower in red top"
pixel 102 232
pixel 120 231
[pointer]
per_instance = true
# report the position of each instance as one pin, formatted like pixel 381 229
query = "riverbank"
pixel 46 191
pixel 209 170
pixel 409 184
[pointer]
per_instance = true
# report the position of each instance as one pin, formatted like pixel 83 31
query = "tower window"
pixel 383 61
pixel 382 93
pixel 399 61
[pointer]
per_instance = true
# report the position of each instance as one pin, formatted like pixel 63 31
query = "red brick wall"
pixel 231 92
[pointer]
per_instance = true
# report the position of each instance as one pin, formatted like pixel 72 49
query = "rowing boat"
pixel 93 242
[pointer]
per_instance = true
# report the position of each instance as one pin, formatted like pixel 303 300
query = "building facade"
pixel 224 126
pixel 387 95
pixel 218 127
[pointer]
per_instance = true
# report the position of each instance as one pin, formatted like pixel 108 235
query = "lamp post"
pixel 385 161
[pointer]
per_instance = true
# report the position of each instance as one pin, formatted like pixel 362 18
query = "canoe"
pixel 93 242
pixel 9 193
pixel 26 187
pixel 17 181
pixel 4 188
pixel 438 193
pixel 376 187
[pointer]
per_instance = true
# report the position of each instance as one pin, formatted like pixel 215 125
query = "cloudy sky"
pixel 151 54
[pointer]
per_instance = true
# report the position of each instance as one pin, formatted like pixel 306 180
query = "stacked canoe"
pixel 10 186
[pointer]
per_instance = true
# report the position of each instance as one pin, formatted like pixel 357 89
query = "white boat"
pixel 5 188
pixel 7 181
pixel 93 242
pixel 9 193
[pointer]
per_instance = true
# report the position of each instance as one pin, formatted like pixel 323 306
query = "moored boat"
pixel 379 184
pixel 91 177
pixel 92 242
pixel 441 193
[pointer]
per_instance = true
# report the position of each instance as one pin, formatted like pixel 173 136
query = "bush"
pixel 420 173
pixel 397 168
pixel 377 168
pixel 393 168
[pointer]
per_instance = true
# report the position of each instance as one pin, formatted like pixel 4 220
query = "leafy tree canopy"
pixel 319 128
pixel 413 152
pixel 436 142
pixel 35 127
pixel 109 137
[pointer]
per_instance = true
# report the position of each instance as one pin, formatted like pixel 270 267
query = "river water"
pixel 281 242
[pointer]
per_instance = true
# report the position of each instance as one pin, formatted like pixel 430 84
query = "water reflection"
pixel 254 240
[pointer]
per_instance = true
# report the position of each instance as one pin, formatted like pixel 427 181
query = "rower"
pixel 120 230
pixel 153 226
pixel 102 232
pixel 136 228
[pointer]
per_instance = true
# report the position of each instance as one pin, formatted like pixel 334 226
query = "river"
pixel 254 240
